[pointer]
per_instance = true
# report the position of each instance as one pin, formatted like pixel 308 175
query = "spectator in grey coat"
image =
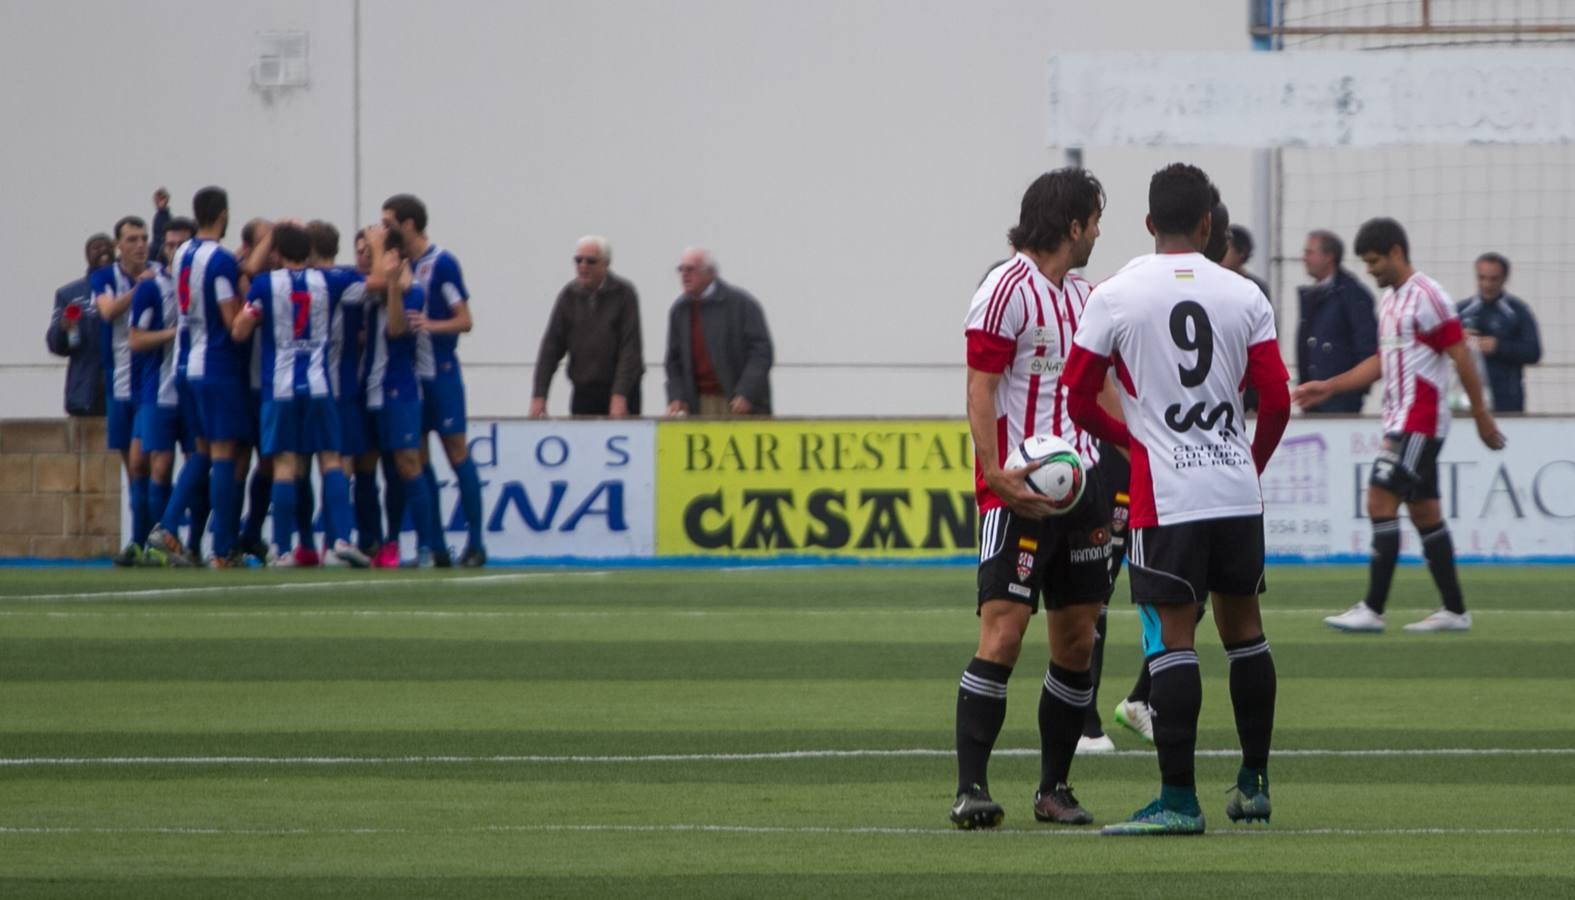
pixel 1337 327
pixel 718 345
pixel 1502 328
pixel 74 333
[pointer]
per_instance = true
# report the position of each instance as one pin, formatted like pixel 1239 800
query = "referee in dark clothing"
pixel 596 320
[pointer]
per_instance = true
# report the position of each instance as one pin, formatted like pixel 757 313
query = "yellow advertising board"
pixel 856 489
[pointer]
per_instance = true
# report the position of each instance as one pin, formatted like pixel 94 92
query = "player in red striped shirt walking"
pixel 1417 331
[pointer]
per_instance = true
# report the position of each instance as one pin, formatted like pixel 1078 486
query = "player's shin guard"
pixel 981 708
pixel 420 503
pixel 193 473
pixel 1175 698
pixel 339 516
pixel 1063 703
pixel 470 499
pixel 223 497
pixel 1252 690
pixel 141 517
pixel 368 517
pixel 436 527
pixel 1381 568
pixel 284 516
pixel 1438 548
pixel 305 512
pixel 258 493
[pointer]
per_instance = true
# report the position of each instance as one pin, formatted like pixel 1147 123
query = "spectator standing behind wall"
pixel 161 218
pixel 718 345
pixel 1502 329
pixel 596 320
pixel 1337 327
pixel 74 333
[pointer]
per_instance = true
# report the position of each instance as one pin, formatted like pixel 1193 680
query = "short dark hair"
pixel 1380 236
pixel 180 223
pixel 1051 204
pixel 394 239
pixel 208 204
pixel 249 231
pixel 406 208
pixel 1330 243
pixel 292 242
pixel 325 238
pixel 1219 233
pixel 1490 256
pixel 1241 240
pixel 129 222
pixel 1179 196
pixel 98 238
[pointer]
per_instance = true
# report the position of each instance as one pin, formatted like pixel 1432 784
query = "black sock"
pixel 1144 686
pixel 1439 550
pixel 1062 702
pixel 1176 699
pixel 1092 725
pixel 981 708
pixel 1252 690
pixel 1381 568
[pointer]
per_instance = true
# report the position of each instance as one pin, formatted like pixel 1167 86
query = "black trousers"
pixel 596 399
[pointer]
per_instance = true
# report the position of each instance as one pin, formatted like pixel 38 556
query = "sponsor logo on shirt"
pixel 1045 365
pixel 1021 590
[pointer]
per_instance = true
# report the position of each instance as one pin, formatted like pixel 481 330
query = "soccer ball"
pixel 1060 477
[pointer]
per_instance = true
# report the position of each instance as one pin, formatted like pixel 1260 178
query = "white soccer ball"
pixel 1060 477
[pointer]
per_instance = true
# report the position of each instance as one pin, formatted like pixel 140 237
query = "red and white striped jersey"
pixel 1021 326
pixel 1184 335
pixel 1416 324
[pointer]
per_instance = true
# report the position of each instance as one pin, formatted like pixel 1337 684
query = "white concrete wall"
pixel 854 164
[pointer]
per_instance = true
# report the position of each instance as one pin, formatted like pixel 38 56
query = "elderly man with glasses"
pixel 718 346
pixel 596 320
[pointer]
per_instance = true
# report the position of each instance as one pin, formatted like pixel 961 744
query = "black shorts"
pixel 1183 563
pixel 1408 466
pixel 1065 557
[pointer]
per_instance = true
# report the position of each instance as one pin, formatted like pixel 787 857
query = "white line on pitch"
pixel 770 756
pixel 685 828
pixel 623 612
pixel 282 586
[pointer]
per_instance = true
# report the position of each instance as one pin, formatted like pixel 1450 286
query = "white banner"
pixel 558 489
pixel 1518 503
pixel 1319 99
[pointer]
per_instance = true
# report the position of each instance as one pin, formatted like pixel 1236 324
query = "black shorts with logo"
pixel 1183 563
pixel 1065 557
pixel 1407 466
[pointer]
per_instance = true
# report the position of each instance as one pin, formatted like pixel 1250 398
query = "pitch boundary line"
pixel 768 756
pixel 390 582
pixel 622 612
pixel 687 828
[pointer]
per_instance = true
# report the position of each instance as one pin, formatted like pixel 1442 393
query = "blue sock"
pixel 193 473
pixel 141 517
pixel 305 512
pixel 222 495
pixel 437 528
pixel 470 498
pixel 368 517
pixel 338 517
pixel 201 510
pixel 284 514
pixel 158 500
pixel 420 503
pixel 257 496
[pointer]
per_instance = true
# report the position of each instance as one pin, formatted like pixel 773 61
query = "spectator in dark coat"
pixel 718 345
pixel 1503 330
pixel 596 321
pixel 1337 327
pixel 161 221
pixel 74 333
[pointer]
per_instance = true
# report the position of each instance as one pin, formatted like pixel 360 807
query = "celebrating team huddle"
pixel 280 353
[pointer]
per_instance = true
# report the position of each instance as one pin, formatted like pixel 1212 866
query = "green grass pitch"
pixel 583 734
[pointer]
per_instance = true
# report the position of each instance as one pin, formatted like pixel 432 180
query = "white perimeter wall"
pixel 854 164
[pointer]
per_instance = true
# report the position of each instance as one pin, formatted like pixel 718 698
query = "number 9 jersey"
pixel 1185 336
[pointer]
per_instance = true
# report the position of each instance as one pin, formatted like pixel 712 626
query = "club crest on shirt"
pixel 1099 537
pixel 1118 519
pixel 1043 337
